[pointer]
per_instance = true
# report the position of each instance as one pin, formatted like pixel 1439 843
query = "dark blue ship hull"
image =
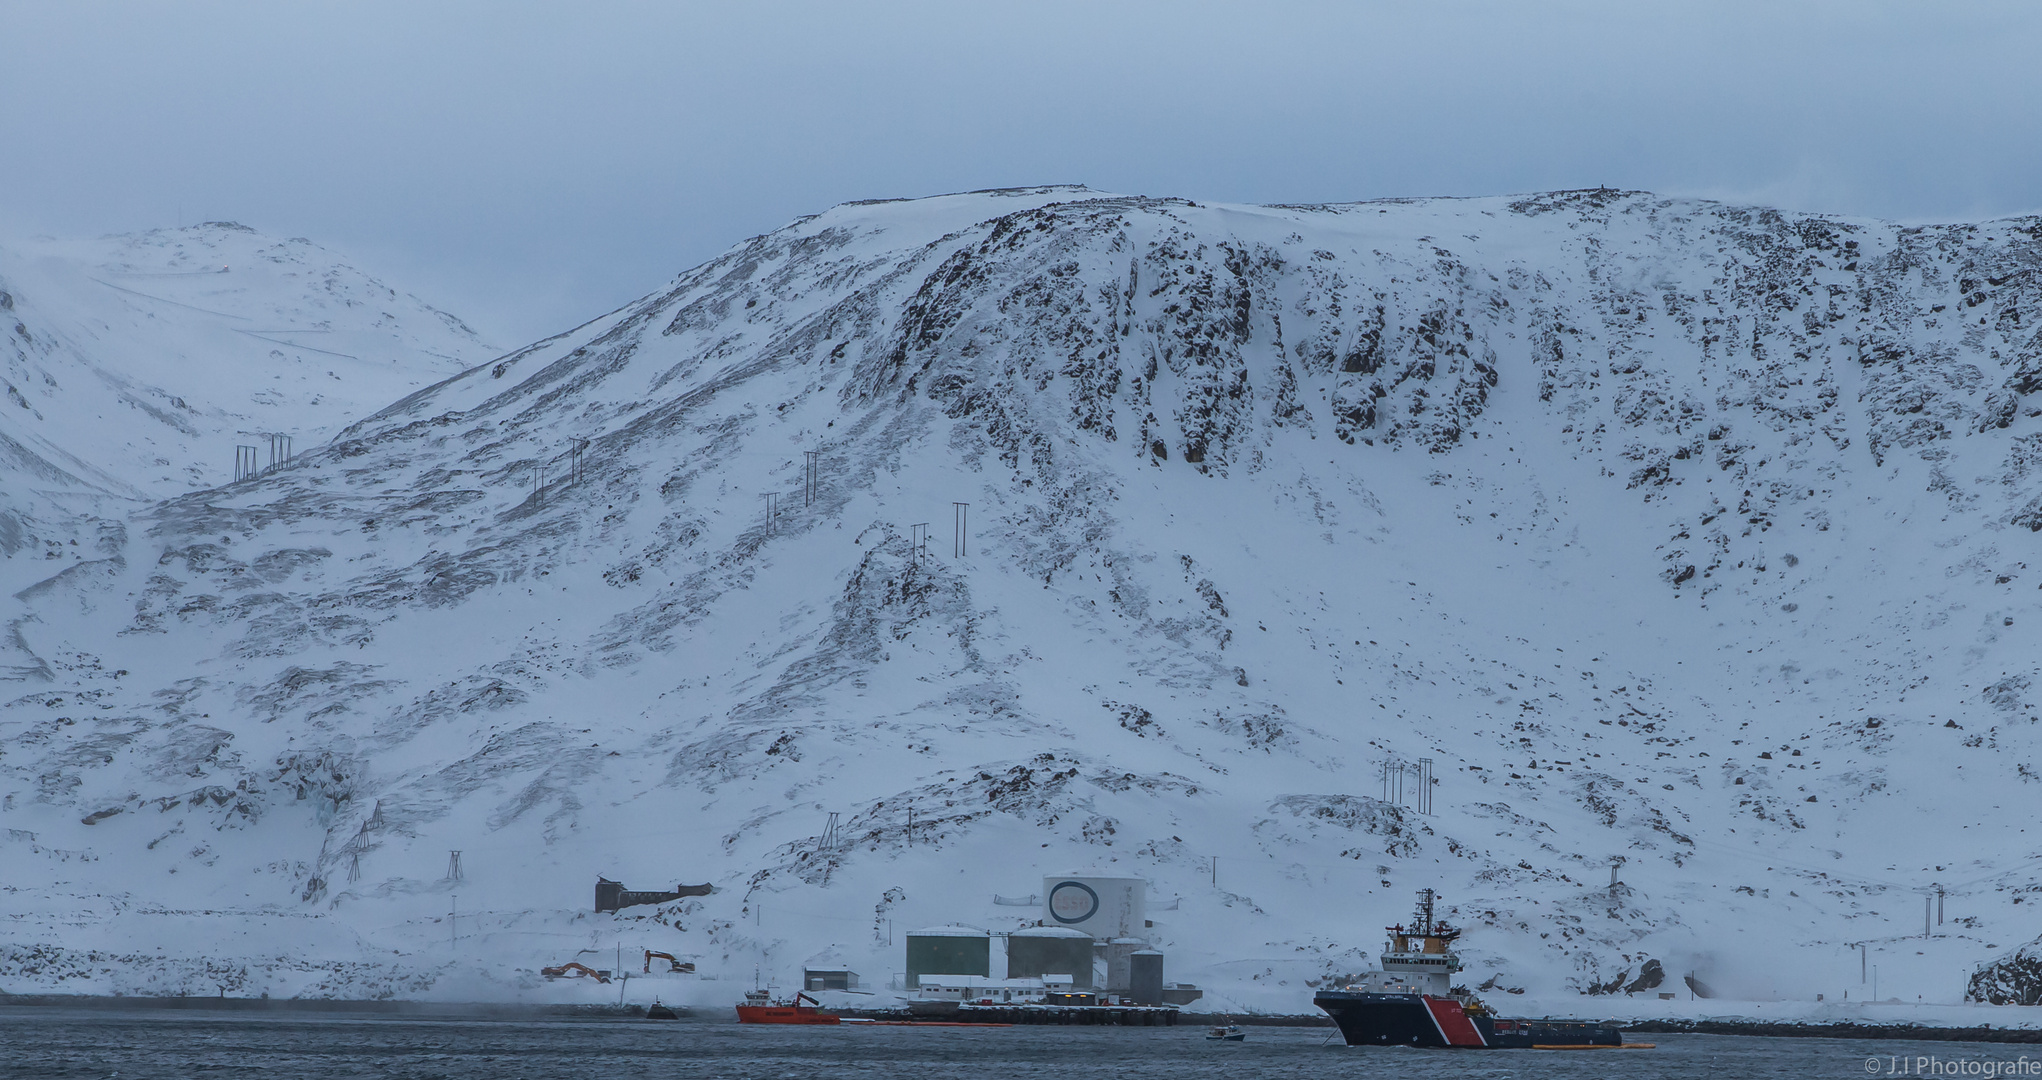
pixel 1367 1019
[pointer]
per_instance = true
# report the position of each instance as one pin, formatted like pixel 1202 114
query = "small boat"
pixel 1226 1033
pixel 760 1008
pixel 658 1011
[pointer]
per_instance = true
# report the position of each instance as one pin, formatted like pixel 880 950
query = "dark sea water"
pixel 56 1043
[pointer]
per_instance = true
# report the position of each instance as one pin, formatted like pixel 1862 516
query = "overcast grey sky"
pixel 528 165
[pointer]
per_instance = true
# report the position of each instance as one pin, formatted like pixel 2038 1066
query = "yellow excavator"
pixel 680 966
pixel 574 969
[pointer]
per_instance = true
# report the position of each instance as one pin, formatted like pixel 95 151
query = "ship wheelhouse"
pixel 1419 958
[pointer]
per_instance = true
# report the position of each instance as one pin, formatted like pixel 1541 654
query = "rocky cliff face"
pixel 1685 538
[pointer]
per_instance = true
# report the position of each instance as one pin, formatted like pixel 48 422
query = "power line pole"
pixel 811 473
pixel 279 451
pixel 963 520
pixel 453 866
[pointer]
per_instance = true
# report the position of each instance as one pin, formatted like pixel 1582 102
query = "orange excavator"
pixel 575 969
pixel 680 966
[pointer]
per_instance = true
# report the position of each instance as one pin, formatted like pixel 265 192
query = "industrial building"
pixel 1040 951
pixel 948 950
pixel 998 991
pixel 1093 941
pixel 829 979
pixel 613 896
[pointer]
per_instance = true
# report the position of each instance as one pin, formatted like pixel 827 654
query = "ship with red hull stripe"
pixel 1410 1001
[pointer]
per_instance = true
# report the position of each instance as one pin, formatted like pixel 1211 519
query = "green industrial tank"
pixel 948 950
pixel 1145 977
pixel 1050 950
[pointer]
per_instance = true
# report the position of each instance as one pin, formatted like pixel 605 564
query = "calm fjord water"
pixel 57 1044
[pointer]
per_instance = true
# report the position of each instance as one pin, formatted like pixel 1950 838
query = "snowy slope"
pixel 134 365
pixel 1688 537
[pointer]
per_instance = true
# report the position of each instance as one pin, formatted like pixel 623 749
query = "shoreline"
pixel 487 1010
pixel 1799 1030
pixel 392 1008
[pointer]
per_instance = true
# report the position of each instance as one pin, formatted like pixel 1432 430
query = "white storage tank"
pixel 1100 904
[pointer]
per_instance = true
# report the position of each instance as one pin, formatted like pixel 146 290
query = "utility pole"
pixel 963 521
pixel 453 920
pixel 911 828
pixel 279 451
pixel 772 513
pixel 1215 871
pixel 811 472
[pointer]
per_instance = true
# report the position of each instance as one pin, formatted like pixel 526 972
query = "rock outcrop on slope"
pixel 1686 544
pixel 2013 979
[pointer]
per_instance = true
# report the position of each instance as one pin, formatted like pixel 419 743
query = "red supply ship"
pixel 1409 1003
pixel 760 1008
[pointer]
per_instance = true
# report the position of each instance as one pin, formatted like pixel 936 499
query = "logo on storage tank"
pixel 1073 901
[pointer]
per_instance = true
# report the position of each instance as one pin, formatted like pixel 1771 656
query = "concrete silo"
pixel 948 950
pixel 1050 950
pixel 1145 977
pixel 1119 973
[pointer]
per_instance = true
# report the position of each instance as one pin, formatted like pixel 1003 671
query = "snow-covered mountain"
pixel 134 365
pixel 1681 537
